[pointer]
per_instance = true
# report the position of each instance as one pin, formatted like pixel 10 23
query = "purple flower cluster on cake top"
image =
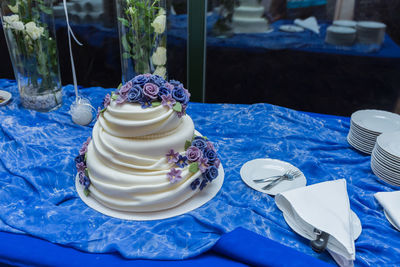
pixel 201 156
pixel 80 163
pixel 151 91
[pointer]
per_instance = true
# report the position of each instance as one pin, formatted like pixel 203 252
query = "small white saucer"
pixel 291 28
pixel 263 168
pixel 391 221
pixel 6 95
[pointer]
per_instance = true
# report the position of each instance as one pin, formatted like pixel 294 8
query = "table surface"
pixel 38 198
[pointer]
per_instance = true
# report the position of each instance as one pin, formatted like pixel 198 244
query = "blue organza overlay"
pixel 38 197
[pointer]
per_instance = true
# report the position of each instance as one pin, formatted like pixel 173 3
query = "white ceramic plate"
pixel 371 25
pixel 391 221
pixel 383 177
pixel 385 162
pixel 6 95
pixel 359 146
pixel 376 121
pixel 263 168
pixel 341 30
pixel 357 227
pixel 390 142
pixel 345 23
pixel 291 28
pixel 195 202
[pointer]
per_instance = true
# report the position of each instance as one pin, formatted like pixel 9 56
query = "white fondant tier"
pixel 126 158
pixel 249 25
pixel 248 12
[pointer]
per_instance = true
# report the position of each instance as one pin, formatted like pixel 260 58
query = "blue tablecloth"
pixel 38 197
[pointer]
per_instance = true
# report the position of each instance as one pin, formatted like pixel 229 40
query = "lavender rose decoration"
pixel 193 153
pixel 158 80
pixel 135 94
pixel 211 173
pixel 163 91
pixel 150 90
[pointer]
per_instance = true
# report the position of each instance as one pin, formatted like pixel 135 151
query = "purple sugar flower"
pixel 157 80
pixel 147 75
pixel 98 112
pixel 203 165
pixel 81 167
pixel 121 99
pixel 211 155
pixel 81 178
pixel 187 93
pixel 150 90
pixel 107 100
pixel 79 159
pixel 146 103
pixel 141 80
pixel 172 157
pixel 176 83
pixel 200 143
pixel 182 161
pixel 174 175
pixel 193 153
pixel 135 94
pixel 125 88
pixel 83 150
pixel 180 95
pixel 169 86
pixel 217 162
pixel 163 91
pixel 183 112
pixel 203 184
pixel 211 173
pixel 195 184
pixel 210 145
pixel 167 101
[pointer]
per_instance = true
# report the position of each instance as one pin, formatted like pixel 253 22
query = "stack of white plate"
pixel 345 23
pixel 340 35
pixel 385 160
pixel 367 125
pixel 370 32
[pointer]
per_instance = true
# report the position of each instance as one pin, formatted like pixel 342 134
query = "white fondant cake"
pixel 125 164
pixel 247 18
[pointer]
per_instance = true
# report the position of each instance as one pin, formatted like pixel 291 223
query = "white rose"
pixel 159 24
pixel 15 8
pixel 160 56
pixel 161 11
pixel 17 25
pixel 161 71
pixel 10 19
pixel 33 31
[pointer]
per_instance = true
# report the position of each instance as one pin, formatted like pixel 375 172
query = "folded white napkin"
pixel 390 202
pixel 324 206
pixel 309 23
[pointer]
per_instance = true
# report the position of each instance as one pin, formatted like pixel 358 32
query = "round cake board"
pixel 198 200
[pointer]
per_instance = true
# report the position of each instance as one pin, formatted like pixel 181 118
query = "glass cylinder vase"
pixel 142 37
pixel 30 35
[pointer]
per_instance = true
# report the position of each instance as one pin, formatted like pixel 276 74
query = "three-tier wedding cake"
pixel 248 17
pixel 144 154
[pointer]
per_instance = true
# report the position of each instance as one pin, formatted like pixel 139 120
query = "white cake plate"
pixel 198 200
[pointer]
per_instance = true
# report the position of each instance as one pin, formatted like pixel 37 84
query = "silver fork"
pixel 291 176
pixel 288 172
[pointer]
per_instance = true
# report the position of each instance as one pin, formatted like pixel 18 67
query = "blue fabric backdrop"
pixel 38 197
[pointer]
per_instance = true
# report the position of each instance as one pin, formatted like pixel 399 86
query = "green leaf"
pixel 114 96
pixel 124 22
pixel 119 86
pixel 125 44
pixel 126 55
pixel 103 110
pixel 177 107
pixel 86 172
pixel 86 192
pixel 194 167
pixel 46 9
pixel 156 104
pixel 187 144
pixel 85 156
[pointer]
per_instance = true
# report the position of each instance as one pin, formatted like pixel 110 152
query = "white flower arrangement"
pixel 159 24
pixel 34 31
pixel 160 56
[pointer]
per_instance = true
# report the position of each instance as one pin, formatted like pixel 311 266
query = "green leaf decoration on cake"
pixel 87 172
pixel 114 96
pixel 187 144
pixel 86 192
pixel 194 167
pixel 177 107
pixel 119 86
pixel 103 110
pixel 156 104
pixel 85 156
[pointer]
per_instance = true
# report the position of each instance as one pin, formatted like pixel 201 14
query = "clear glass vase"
pixel 29 30
pixel 142 37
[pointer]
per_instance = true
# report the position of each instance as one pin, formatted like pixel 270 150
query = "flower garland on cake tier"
pixel 80 163
pixel 201 156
